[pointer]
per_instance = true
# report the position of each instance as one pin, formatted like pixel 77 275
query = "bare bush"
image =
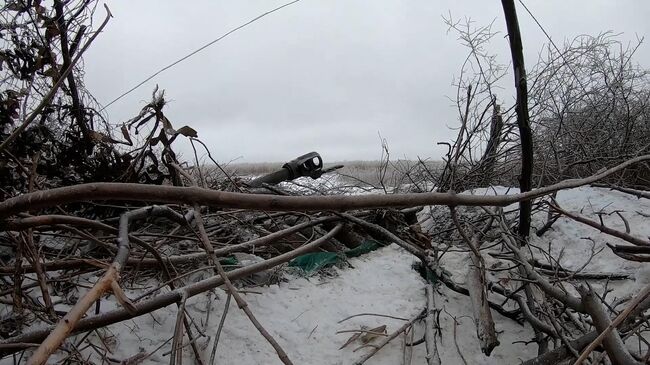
pixel 485 149
pixel 591 109
pixel 60 132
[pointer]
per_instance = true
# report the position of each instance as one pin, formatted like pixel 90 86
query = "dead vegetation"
pixel 88 209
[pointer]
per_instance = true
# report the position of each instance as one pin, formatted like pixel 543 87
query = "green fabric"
pixel 365 247
pixel 230 260
pixel 312 262
pixel 434 276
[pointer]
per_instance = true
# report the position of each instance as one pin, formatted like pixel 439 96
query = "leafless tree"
pixel 591 105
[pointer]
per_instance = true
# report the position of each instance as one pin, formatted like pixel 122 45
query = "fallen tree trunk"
pixel 477 286
pixel 612 341
pixel 433 357
pixel 185 195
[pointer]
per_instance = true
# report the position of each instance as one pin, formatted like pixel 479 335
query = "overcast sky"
pixel 328 76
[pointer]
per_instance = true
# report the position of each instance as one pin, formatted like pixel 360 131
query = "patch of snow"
pixel 301 314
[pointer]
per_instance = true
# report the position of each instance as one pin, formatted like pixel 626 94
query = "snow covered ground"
pixel 573 244
pixel 303 314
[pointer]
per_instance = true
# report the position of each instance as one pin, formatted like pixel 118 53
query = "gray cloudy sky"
pixel 319 75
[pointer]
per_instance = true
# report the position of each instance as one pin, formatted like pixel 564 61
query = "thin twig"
pixel 220 328
pixel 372 314
pixel 387 339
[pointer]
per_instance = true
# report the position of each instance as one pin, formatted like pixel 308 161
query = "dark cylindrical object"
pixel 310 164
pixel 272 178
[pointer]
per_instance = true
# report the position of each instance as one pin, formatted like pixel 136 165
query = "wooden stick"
pixel 618 320
pixel 40 273
pixel 218 334
pixel 67 324
pixel 176 355
pixel 184 195
pixel 432 356
pixel 388 235
pixel 612 342
pixel 477 286
pixel 601 227
pixel 387 339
